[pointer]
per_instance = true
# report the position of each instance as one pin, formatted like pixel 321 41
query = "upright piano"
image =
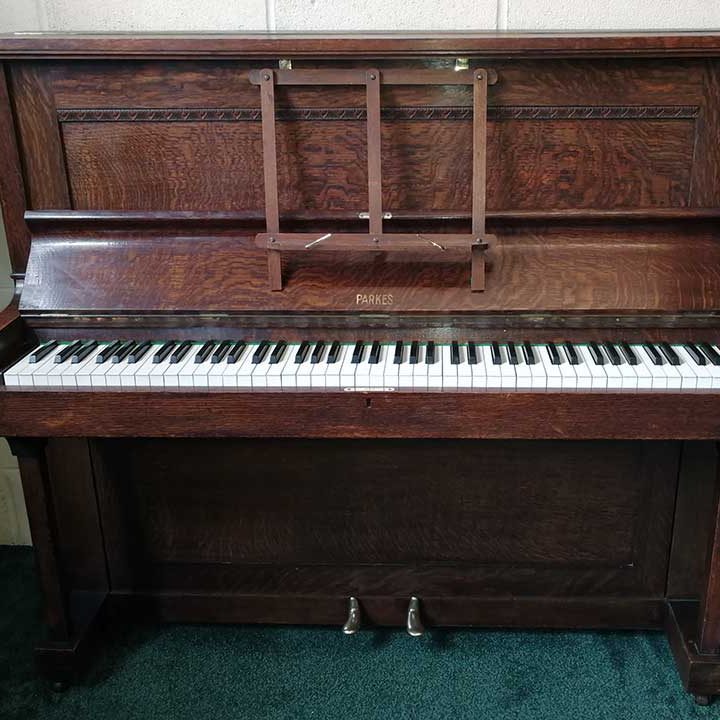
pixel 411 331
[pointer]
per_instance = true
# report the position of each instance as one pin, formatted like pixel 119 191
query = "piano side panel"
pixel 438 518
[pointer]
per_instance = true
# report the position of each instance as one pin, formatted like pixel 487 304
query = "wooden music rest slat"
pixel 375 240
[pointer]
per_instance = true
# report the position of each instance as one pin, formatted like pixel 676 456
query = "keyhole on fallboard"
pixel 368 402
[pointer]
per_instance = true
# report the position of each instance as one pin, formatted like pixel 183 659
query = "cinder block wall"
pixel 319 15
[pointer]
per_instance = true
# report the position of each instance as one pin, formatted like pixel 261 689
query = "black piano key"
pixel 317 352
pixel 122 352
pixel 302 352
pixel 204 352
pixel 430 353
pixel 695 354
pixel 529 353
pixel 278 351
pixel 162 353
pixel 221 351
pixel 398 356
pixel 236 352
pixel 512 353
pixel 553 353
pixel 653 354
pixel 572 353
pixel 83 352
pixel 496 354
pixel 374 358
pixel 334 352
pixel 596 353
pixel 260 352
pixel 670 354
pixel 139 352
pixel 472 353
pixel 107 352
pixel 358 351
pixel 68 351
pixel 180 352
pixel 42 352
pixel 454 353
pixel 629 354
pixel 612 353
pixel 710 352
pixel 414 352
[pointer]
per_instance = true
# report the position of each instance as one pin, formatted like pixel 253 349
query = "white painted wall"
pixel 319 15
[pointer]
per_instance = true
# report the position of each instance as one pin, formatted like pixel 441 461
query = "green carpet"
pixel 268 673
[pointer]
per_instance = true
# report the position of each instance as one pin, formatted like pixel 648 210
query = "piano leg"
pixel 693 628
pixel 71 617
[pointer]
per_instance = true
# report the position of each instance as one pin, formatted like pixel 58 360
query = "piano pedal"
pixel 352 624
pixel 415 627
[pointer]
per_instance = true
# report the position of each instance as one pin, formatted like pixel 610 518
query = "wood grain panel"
pixel 705 187
pixel 426 165
pixel 384 517
pixel 152 166
pixel 42 153
pixel 580 269
pixel 223 83
pixel 324 414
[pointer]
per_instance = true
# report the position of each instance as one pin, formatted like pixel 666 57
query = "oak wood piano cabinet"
pixel 523 188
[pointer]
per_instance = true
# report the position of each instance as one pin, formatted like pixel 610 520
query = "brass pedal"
pixel 415 627
pixel 352 624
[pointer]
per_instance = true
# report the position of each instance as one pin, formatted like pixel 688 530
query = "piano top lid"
pixel 374 44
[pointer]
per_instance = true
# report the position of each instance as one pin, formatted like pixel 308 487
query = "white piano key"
pixel 553 373
pixel 303 374
pixel 449 371
pixel 273 377
pixel 523 374
pixel 135 374
pixel 435 371
pixel 405 370
pixel 215 376
pixel 245 366
pixel 376 377
pixel 391 371
pixel 464 369
pixel 597 374
pixel 703 379
pixel 319 369
pixel 479 370
pixel 171 377
pixel 70 376
pixel 493 373
pixel 333 370
pixel 642 370
pixel 420 370
pixel 258 377
pixel 347 372
pixel 20 373
pixel 629 379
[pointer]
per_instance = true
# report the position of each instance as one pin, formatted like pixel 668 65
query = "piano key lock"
pixel 413 624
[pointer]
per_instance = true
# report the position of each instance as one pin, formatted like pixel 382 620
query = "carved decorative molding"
pixel 455 112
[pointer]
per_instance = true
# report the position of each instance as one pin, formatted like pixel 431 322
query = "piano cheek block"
pixel 450 385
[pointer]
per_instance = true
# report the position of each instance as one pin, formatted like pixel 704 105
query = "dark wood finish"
pixel 46 182
pixel 694 515
pixel 12 191
pixel 148 165
pixel 699 672
pixel 493 414
pixel 708 633
pixel 688 44
pixel 31 457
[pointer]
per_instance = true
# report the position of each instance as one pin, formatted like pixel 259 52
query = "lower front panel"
pixel 544 533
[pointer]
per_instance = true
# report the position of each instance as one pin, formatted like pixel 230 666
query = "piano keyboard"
pixel 363 366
